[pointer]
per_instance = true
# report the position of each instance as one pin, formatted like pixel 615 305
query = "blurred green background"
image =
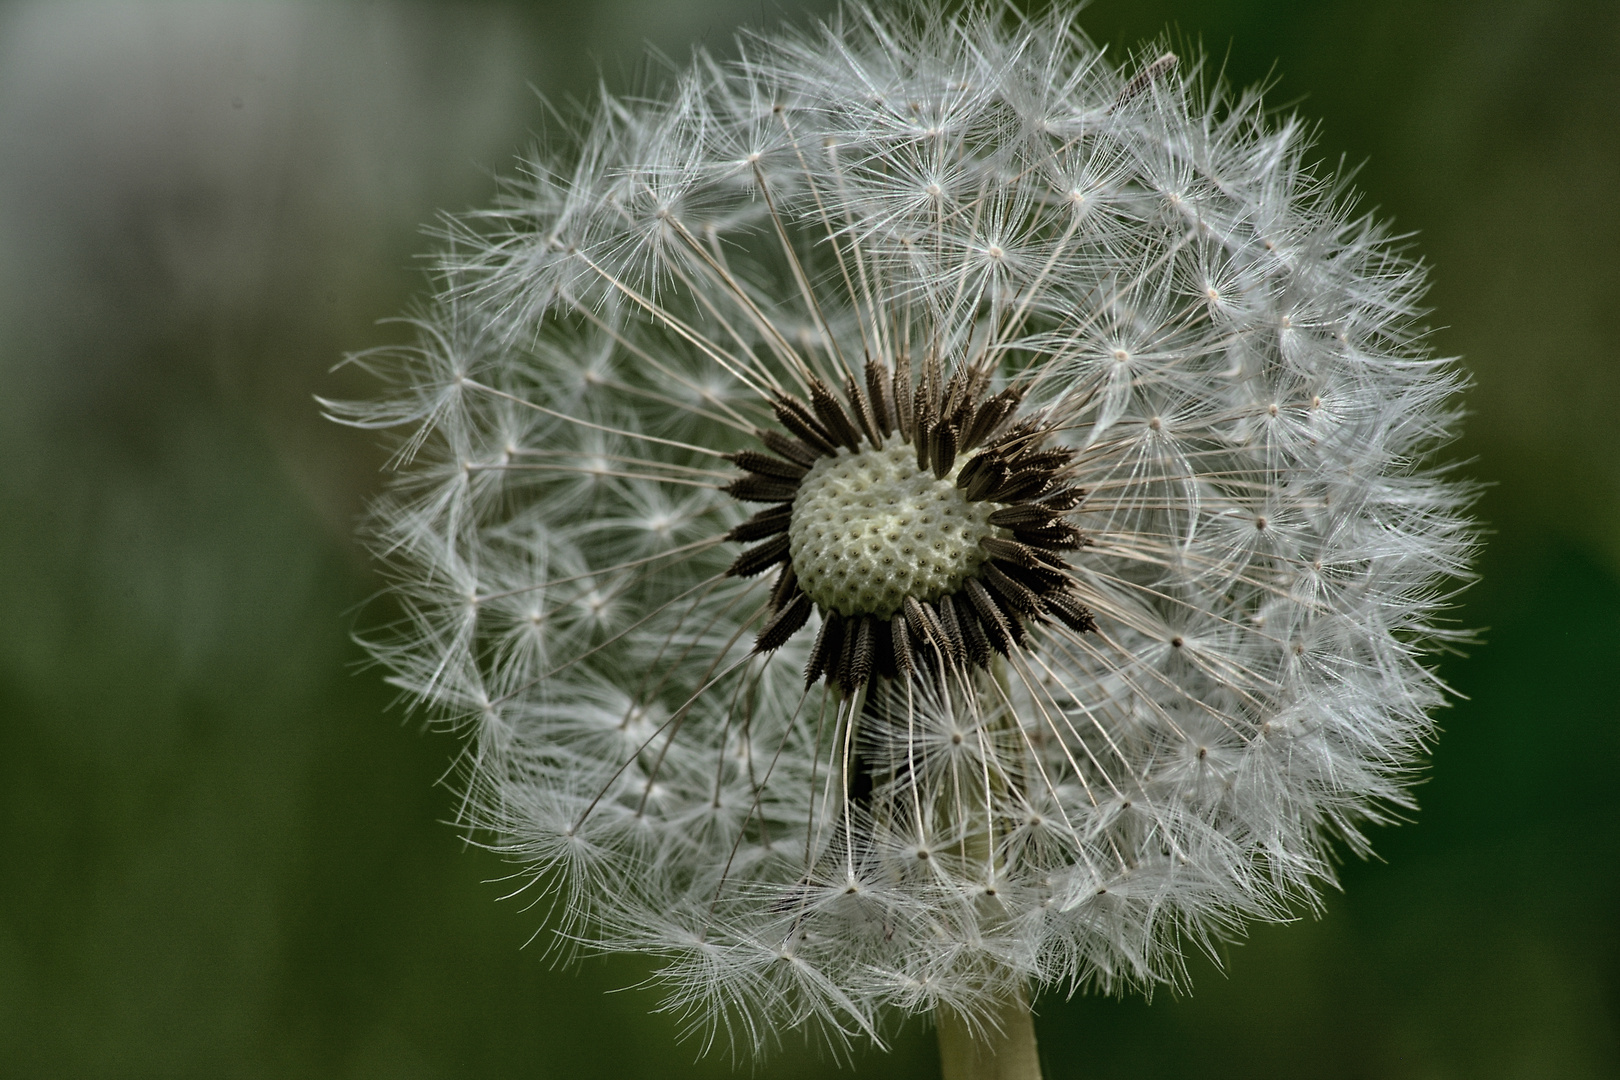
pixel 223 848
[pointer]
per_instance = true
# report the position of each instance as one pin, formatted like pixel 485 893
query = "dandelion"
pixel 916 515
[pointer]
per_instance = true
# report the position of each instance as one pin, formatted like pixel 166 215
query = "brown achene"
pixel 1024 576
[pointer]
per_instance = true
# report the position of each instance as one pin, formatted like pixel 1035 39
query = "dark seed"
pixel 929 383
pixel 755 462
pixel 1070 612
pixel 1012 552
pixel 757 560
pixel 1058 536
pixel 832 415
pixel 880 392
pixel 991 416
pixel 1042 579
pixel 787 622
pixel 973 468
pixel 1013 440
pixel 1015 624
pixel 989 477
pixel 1023 514
pixel 980 422
pixel 955 389
pixel 990 616
pixel 1018 596
pixel 843 672
pixel 922 428
pixel 956 651
pixel 957 417
pixel 765 523
pixel 862 410
pixel 902 644
pixel 974 644
pixel 786 587
pixel 924 625
pixel 796 416
pixel 859 666
pixel 1023 484
pixel 903 414
pixel 828 647
pixel 753 488
pixel 942 450
pixel 1050 560
pixel 1049 460
pixel 787 446
pixel 1063 499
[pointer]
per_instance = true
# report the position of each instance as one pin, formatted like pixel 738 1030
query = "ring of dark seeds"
pixel 1023 580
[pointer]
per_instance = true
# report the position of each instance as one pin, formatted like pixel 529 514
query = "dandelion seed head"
pixel 917 511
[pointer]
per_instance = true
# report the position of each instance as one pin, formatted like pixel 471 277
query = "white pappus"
pixel 915 512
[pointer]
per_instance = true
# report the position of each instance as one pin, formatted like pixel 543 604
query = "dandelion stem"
pixel 1001 1047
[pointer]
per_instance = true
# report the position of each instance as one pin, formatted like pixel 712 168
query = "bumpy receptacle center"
pixel 870 529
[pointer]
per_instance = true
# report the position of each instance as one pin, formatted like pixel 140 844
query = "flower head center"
pixel 870 528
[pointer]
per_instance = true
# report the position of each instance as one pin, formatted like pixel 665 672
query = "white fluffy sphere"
pixel 1175 383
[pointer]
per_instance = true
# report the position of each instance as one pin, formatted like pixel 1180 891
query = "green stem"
pixel 1003 1048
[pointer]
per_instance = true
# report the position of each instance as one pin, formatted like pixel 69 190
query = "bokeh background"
pixel 223 849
